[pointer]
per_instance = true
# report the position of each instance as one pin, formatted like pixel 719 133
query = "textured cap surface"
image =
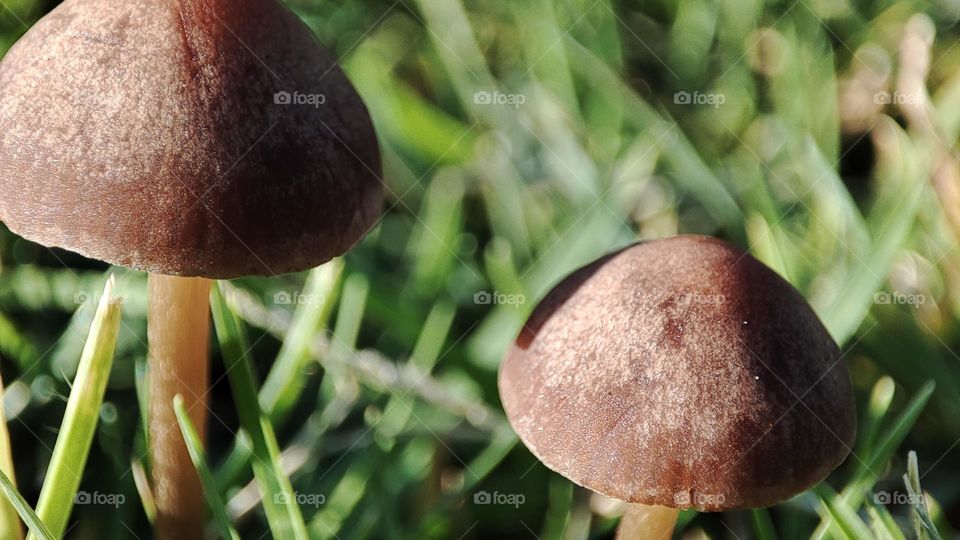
pixel 680 372
pixel 188 137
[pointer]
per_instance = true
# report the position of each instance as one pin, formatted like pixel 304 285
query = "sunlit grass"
pixel 379 382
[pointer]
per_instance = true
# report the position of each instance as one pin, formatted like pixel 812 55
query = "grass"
pixel 80 419
pixel 195 446
pixel 279 500
pixel 378 411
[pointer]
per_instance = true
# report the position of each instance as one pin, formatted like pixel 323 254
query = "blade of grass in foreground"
pixel 762 524
pixel 285 381
pixel 279 502
pixel 144 490
pixel 898 431
pixel 864 478
pixel 195 448
pixel 882 524
pixel 922 523
pixel 37 529
pixel 344 498
pixel 843 515
pixel 9 521
pixel 560 497
pixel 80 419
pixel 880 399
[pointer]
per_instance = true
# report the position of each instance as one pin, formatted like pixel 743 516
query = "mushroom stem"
pixel 178 328
pixel 642 522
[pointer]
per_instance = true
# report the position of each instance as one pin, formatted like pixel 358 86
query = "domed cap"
pixel 191 137
pixel 680 372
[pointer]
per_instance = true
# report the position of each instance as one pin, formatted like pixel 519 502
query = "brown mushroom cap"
pixel 150 134
pixel 680 372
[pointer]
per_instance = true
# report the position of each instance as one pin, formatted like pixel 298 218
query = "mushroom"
pixel 679 373
pixel 194 140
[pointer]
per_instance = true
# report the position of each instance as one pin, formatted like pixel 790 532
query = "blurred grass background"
pixel 522 140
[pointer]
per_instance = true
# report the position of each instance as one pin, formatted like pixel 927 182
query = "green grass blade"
pixel 141 482
pixel 863 479
pixel 901 427
pixel 919 514
pixel 347 494
pixel 15 346
pixel 844 517
pixel 688 167
pixel 939 518
pixel 882 523
pixel 9 522
pixel 37 528
pixel 560 497
pixel 461 56
pixel 762 524
pixel 356 289
pixel 284 383
pixel 197 455
pixel 903 175
pixel 80 419
pixel 880 399
pixel 279 501
pixel 425 355
pixel 138 466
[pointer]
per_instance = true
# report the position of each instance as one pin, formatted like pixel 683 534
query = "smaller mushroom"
pixel 680 373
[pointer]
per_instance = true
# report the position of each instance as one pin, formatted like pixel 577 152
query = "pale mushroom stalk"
pixel 178 331
pixel 643 522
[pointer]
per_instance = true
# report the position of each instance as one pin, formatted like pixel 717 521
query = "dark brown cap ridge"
pixel 148 134
pixel 680 372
